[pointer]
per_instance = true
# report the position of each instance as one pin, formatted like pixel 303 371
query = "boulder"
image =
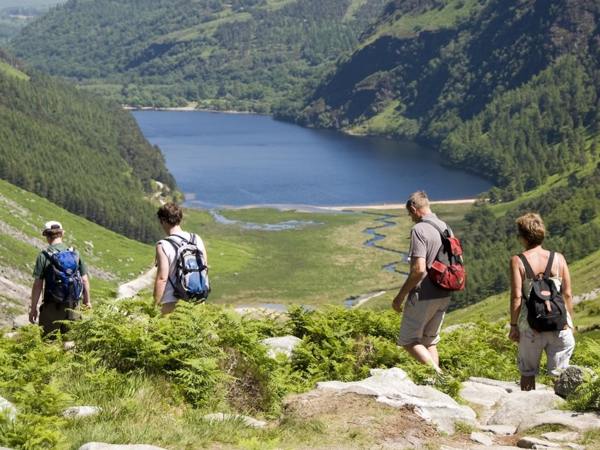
pixel 78 412
pixel 393 387
pixel 283 345
pixel 104 446
pixel 522 406
pixel 570 379
pixel 508 386
pixel 482 438
pixel 569 419
pixel 248 421
pixel 8 409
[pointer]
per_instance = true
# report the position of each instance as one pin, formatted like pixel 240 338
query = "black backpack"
pixel 63 278
pixel 546 309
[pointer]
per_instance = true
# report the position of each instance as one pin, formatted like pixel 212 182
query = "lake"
pixel 222 160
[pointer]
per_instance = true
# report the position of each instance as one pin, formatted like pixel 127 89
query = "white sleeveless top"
pixel 169 251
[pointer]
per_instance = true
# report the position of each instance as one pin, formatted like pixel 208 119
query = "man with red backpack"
pixel 63 277
pixel 435 271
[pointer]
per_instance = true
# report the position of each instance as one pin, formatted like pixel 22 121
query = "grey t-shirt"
pixel 425 242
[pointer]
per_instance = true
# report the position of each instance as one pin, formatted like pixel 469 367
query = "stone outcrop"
pixel 79 412
pixel 283 345
pixel 393 387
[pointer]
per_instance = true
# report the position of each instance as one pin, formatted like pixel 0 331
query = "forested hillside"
pixel 15 14
pixel 508 89
pixel 78 151
pixel 243 54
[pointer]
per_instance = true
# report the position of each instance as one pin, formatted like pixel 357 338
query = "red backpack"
pixel 448 270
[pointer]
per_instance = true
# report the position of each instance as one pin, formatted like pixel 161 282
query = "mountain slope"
pixel 507 89
pixel 78 151
pixel 246 54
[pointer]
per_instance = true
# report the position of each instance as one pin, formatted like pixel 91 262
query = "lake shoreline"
pixel 327 209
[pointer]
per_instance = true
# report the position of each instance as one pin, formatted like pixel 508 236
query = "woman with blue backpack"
pixel 541 306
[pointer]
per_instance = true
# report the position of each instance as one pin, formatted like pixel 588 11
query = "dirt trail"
pixel 133 287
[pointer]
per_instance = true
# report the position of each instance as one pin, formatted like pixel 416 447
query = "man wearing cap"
pixel 50 311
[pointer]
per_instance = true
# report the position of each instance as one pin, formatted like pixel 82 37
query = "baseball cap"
pixel 52 225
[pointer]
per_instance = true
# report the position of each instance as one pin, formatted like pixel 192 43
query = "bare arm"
pixel 566 286
pixel 417 270
pixel 86 291
pixel 162 274
pixel 516 289
pixel 36 291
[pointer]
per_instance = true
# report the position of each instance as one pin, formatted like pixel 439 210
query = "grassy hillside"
pixel 78 151
pixel 244 55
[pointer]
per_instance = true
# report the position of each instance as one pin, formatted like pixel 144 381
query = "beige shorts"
pixel 422 321
pixel 558 345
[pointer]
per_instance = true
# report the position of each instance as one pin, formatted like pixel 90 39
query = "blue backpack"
pixel 63 277
pixel 190 278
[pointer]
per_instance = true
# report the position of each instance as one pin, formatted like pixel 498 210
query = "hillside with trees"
pixel 243 54
pixel 78 151
pixel 508 89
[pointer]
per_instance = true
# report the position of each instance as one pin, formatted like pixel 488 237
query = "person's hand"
pixel 514 334
pixel 33 315
pixel 87 305
pixel 397 304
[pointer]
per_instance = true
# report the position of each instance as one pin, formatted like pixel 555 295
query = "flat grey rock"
pixel 283 345
pixel 532 442
pixel 393 387
pixel 570 419
pixel 561 436
pixel 482 438
pixel 482 394
pixel 524 405
pixel 103 446
pixel 246 420
pixel 78 412
pixel 508 386
pixel 10 335
pixel 500 430
pixel 8 409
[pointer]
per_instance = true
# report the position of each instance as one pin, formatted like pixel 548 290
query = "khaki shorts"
pixel 422 321
pixel 51 313
pixel 558 345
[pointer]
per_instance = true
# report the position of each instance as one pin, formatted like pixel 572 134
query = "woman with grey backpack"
pixel 541 306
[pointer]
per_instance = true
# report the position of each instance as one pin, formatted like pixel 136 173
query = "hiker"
pixel 178 248
pixel 427 303
pixel 542 279
pixel 63 277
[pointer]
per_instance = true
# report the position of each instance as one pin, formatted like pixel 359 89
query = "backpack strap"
pixel 548 271
pixel 528 270
pixel 438 228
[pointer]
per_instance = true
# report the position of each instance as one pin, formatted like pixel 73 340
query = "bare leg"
pixel 432 349
pixel 168 308
pixel 421 354
pixel 527 383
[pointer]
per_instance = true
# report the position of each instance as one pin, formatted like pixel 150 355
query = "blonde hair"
pixel 418 200
pixel 531 227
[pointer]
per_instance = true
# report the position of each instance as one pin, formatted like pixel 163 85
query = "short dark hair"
pixel 170 213
pixel 53 234
pixel 531 227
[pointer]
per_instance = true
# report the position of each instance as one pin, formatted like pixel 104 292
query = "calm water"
pixel 234 160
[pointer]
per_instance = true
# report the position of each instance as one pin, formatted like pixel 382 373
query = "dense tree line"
pixel 245 54
pixel 80 152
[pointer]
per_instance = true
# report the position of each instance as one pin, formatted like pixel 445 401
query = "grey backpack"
pixel 190 278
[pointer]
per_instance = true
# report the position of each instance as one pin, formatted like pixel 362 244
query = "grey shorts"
pixel 422 321
pixel 558 345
